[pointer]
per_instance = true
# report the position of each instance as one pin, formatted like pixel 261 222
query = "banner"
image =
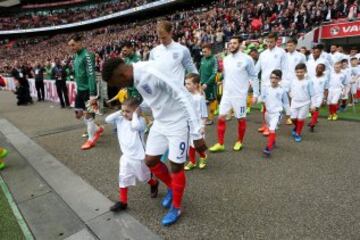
pixel 50 90
pixel 340 30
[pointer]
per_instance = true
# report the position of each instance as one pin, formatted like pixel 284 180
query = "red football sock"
pixel 192 155
pixel 123 195
pixel 343 102
pixel 271 140
pixel 161 171
pixel 300 125
pixel 333 109
pixel 178 186
pixel 241 129
pixel 152 182
pixel 221 130
pixel 202 154
pixel 314 118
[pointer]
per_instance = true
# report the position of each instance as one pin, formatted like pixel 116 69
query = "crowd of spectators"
pixel 213 24
pixel 58 16
pixel 259 15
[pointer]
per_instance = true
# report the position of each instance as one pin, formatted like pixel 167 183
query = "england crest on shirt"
pixel 275 56
pixel 175 55
pixel 147 88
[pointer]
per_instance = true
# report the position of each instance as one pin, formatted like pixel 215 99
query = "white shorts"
pixel 157 144
pixel 132 169
pixel 237 104
pixel 334 95
pixel 346 92
pixel 318 100
pixel 272 120
pixel 299 112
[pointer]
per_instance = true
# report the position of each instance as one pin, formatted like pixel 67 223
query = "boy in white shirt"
pixel 276 100
pixel 272 58
pixel 337 85
pixel 321 85
pixel 355 79
pixel 301 93
pixel 192 84
pixel 130 130
pixel 347 71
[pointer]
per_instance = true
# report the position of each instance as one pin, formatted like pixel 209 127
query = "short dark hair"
pixel 272 35
pixel 109 67
pixel 277 72
pixel 240 39
pixel 132 102
pixel 354 58
pixel 206 45
pixel 317 47
pixel 128 45
pixel 301 66
pixel 320 46
pixel 194 77
pixel 344 60
pixel 76 37
pixel 253 49
pixel 292 40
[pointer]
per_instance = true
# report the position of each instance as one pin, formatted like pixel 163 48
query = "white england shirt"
pixel 276 100
pixel 270 60
pixel 171 104
pixel 174 58
pixel 239 69
pixel 130 134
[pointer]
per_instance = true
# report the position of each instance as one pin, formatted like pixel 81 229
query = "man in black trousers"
pixel 59 74
pixel 39 81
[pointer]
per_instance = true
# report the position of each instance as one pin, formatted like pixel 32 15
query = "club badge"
pixel 147 88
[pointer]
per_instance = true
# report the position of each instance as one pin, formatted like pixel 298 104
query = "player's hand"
pixel 204 86
pixel 200 145
pixel 202 131
pixel 93 101
pixel 138 111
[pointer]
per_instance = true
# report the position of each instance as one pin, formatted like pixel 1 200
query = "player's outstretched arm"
pixel 111 119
